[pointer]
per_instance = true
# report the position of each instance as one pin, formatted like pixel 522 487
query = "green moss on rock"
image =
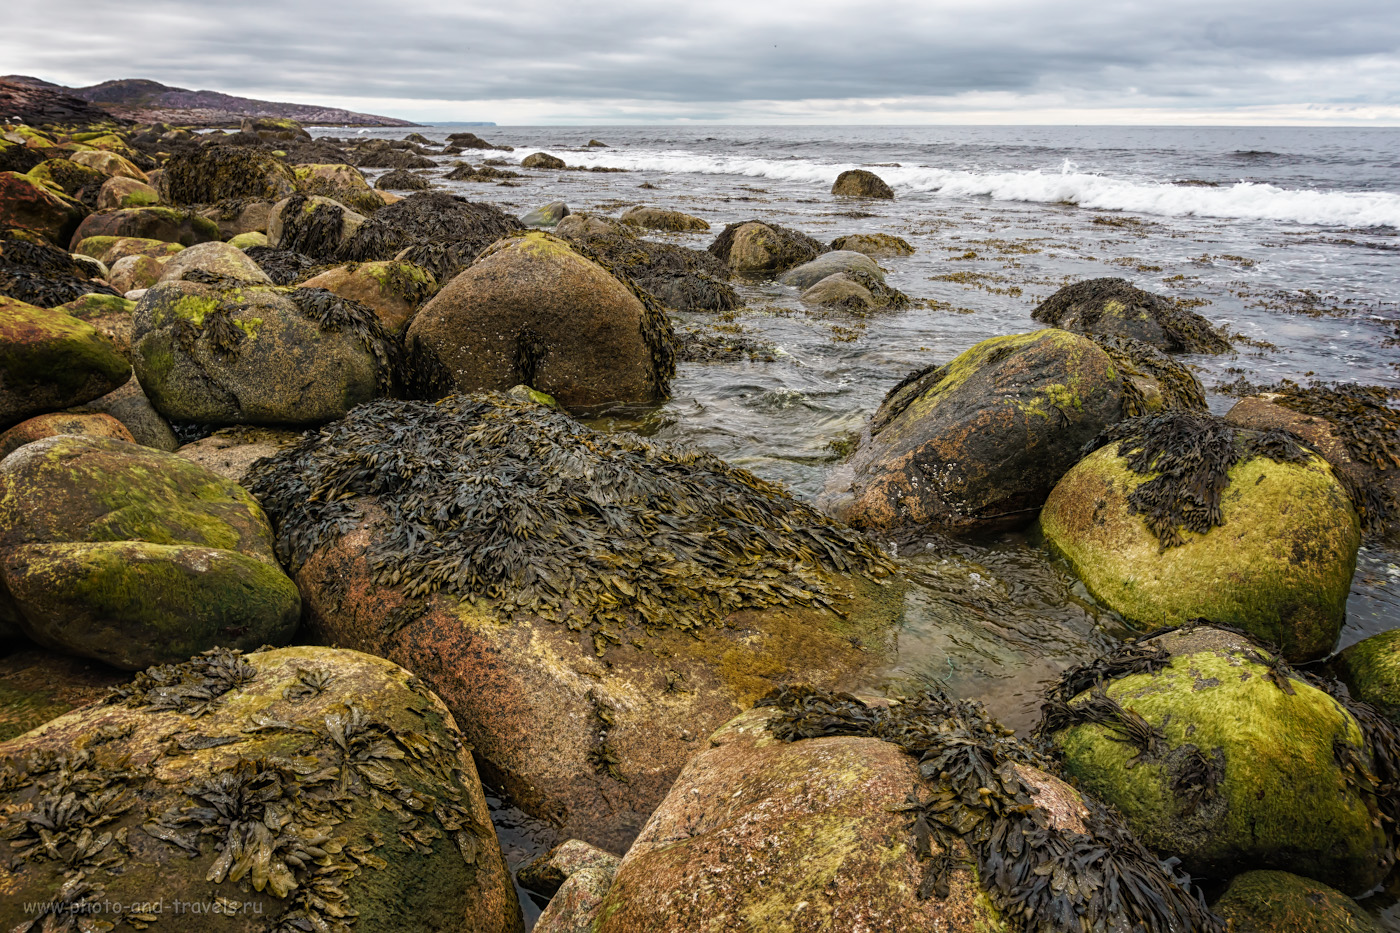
pixel 1277 902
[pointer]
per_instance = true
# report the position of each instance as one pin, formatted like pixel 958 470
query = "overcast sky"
pixel 751 61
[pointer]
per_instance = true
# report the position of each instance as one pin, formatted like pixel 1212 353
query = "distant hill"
pixel 39 102
pixel 146 101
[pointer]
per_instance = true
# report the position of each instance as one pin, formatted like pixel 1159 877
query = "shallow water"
pixel 1289 237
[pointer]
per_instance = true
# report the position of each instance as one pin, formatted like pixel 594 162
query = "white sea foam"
pixel 1242 201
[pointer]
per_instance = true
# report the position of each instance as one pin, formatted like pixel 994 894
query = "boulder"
pixel 473 141
pixel 654 218
pixel 1181 516
pixel 859 183
pixel 874 245
pixel 132 556
pixel 74 180
pixel 978 444
pixel 131 273
pixel 315 226
pixel 395 290
pixel 275 129
pixel 392 158
pixel 1354 428
pixel 603 603
pixel 1115 308
pixel 51 360
pixel 1371 670
pixel 436 230
pixel 542 160
pixel 283 266
pixel 213 262
pixel 808 274
pixel 677 276
pixel 296 789
pixel 237 217
pixel 402 180
pixel 37 686
pixel 757 248
pixel 1217 754
pixel 244 241
pixel 26 204
pixel 120 191
pixel 1277 902
pixel 532 310
pixel 596 144
pixel 484 173
pixel 853 291
pixel 110 314
pixel 55 423
pixel 169 224
pixel 109 249
pixel 798 821
pixel 547 215
pixel 343 183
pixel 129 405
pixel 548 872
pixel 110 164
pixel 207 174
pixel 220 354
pixel 231 452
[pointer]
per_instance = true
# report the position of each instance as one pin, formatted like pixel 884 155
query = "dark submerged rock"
pixel 859 183
pixel 757 248
pixel 1115 308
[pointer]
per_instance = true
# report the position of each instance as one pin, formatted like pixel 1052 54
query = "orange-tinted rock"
pixel 62 422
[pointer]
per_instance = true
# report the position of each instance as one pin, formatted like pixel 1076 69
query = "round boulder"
pixel 213 262
pixel 129 405
pixel 859 183
pixel 394 289
pixel 51 360
pixel 874 245
pixel 532 310
pixel 1216 754
pixel 131 273
pixel 1181 516
pixel 1371 670
pixel 132 556
pixel 1277 902
pixel 151 223
pixel 757 248
pixel 343 183
pixel 542 160
pixel 42 426
pixel 109 249
pixel 120 191
pixel 207 174
pixel 546 215
pixel 288 789
pixel 315 226
pixel 1115 308
pixel 837 261
pixel 26 204
pixel 654 218
pixel 110 164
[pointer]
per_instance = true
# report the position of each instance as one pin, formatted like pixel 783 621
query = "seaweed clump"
pixel 43 275
pixel 488 498
pixel 1042 878
pixel 461 227
pixel 335 315
pixel 214 173
pixel 1084 305
pixel 1180 389
pixel 283 266
pixel 311 227
pixel 679 277
pixel 1191 453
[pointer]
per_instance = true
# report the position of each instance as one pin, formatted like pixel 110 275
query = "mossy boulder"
pixel 62 422
pixel 1185 517
pixel 603 605
pixel 232 354
pixel 655 218
pixel 754 248
pixel 542 160
pixel 394 289
pixel 27 204
pixel 134 273
pixel 874 245
pixel 207 174
pixel 129 405
pixel 126 192
pixel 315 226
pixel 1228 762
pixel 110 314
pixel 246 240
pixel 109 249
pixel 831 263
pixel 110 164
pixel 213 261
pixel 132 556
pixel 1371 670
pixel 533 310
pixel 68 177
pixel 1278 902
pixel 342 183
pixel 546 215
pixel 1115 308
pixel 295 789
pixel 37 686
pixel 859 183
pixel 978 444
pixel 51 360
pixel 402 180
pixel 169 224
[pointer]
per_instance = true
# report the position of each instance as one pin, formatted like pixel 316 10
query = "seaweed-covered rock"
pixel 473 141
pixel 1181 516
pixel 206 174
pixel 757 248
pixel 132 556
pixel 233 354
pixel 856 290
pixel 546 215
pixel 213 262
pixel 50 360
pixel 532 310
pixel 240 216
pixel 542 160
pixel 283 266
pixel 436 230
pixel 819 813
pixel 315 226
pixel 588 605
pixel 1217 754
pixel 1277 902
pixel 831 263
pixel 979 443
pixel 27 204
pixel 39 273
pixel 392 158
pixel 395 290
pixel 129 405
pixel 480 174
pixel 1116 308
pixel 1371 670
pixel 119 191
pixel 307 787
pixel 402 180
pixel 69 177
pixel 37 686
pixel 1157 381
pixel 859 183
pixel 1356 431
pixel 874 245
pixel 42 426
pixel 654 218
pixel 169 224
pixel 343 183
pixel 677 276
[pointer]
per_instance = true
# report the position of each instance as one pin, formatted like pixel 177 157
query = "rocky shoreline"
pixel 296 479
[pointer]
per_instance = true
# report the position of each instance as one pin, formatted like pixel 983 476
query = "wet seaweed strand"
pixel 489 498
pixel 1042 879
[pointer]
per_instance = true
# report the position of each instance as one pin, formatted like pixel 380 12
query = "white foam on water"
pixel 1241 201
